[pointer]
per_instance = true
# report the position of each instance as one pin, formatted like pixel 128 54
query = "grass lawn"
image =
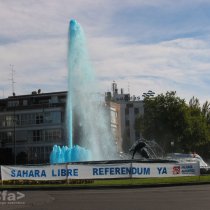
pixel 110 183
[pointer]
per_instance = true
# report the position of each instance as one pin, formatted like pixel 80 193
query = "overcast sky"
pixel 159 45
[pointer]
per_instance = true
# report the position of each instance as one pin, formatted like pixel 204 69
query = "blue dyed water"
pixel 65 154
pixel 87 120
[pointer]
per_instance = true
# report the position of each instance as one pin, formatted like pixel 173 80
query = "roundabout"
pixel 179 197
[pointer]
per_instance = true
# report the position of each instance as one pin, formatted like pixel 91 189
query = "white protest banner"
pixel 145 170
pixel 102 171
pixel 99 171
pixel 48 172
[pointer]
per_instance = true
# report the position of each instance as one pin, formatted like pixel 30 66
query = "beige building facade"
pixel 124 110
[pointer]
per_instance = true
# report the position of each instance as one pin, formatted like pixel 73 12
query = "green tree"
pixel 206 111
pixel 197 135
pixel 168 118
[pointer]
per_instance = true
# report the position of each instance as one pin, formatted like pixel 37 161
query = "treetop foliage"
pixel 168 118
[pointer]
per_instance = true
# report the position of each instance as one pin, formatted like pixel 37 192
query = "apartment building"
pixel 30 125
pixel 124 110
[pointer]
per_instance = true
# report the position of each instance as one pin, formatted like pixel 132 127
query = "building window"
pixel 27 119
pixel 127 123
pixel 9 121
pixel 128 133
pixel 129 105
pixel 53 135
pixel 47 118
pixel 136 110
pixel 52 117
pixel 127 111
pixel 21 136
pixel 37 135
pixel 39 154
pixel 3 136
pixel 13 103
pixel 137 134
pixel 17 119
pixel 6 137
pixel 56 117
pixel 113 117
pixel 39 118
pixel 25 102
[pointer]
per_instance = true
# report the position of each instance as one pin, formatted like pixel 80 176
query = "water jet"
pixel 88 127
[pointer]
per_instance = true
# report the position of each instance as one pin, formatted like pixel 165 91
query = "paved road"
pixel 165 198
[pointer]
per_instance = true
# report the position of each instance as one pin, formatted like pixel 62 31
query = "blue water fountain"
pixel 83 108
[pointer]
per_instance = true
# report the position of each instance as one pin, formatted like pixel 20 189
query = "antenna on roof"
pixel 3 93
pixel 128 87
pixel 12 79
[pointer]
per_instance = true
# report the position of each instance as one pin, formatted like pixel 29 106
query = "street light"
pixel 172 146
pixel 14 134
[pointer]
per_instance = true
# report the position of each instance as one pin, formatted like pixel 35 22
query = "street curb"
pixel 51 188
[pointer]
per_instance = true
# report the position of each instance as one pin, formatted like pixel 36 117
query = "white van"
pixel 192 157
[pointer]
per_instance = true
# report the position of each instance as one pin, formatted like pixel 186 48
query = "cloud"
pixel 180 65
pixel 39 63
pixel 157 44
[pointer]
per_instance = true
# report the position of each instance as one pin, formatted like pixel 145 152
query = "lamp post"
pixel 172 145
pixel 35 155
pixel 14 135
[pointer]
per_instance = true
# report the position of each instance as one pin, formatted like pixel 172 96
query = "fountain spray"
pixel 87 123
